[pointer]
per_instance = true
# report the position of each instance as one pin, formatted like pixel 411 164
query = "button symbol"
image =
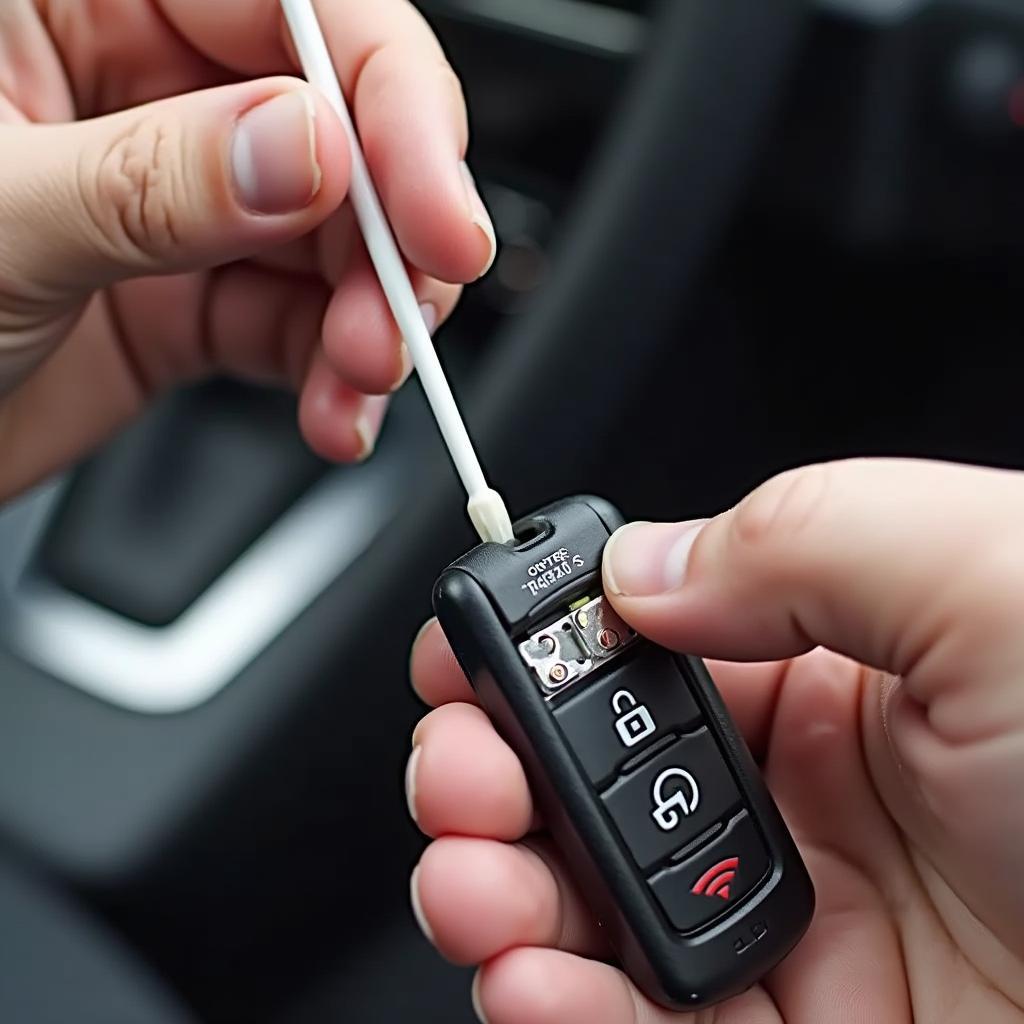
pixel 634 724
pixel 715 881
pixel 685 799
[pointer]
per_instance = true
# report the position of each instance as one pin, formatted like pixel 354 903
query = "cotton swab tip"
pixel 490 517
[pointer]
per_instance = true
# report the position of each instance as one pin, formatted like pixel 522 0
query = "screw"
pixel 547 644
pixel 582 620
pixel 608 639
pixel 558 674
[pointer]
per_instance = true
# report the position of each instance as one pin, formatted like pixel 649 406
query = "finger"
pixel 817 772
pixel 463 778
pixel 412 120
pixel 262 326
pixel 178 185
pixel 251 36
pixel 547 986
pixel 239 320
pixel 858 863
pixel 299 257
pixel 361 338
pixel 324 254
pixel 879 560
pixel 751 691
pixel 436 675
pixel 339 423
pixel 105 60
pixel 476 898
pixel 406 102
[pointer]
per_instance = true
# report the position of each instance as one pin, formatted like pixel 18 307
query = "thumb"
pixel 912 567
pixel 181 184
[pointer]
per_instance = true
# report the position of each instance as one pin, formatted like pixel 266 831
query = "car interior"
pixel 736 237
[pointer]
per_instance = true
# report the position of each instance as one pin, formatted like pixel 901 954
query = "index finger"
pixel 435 673
pixel 405 99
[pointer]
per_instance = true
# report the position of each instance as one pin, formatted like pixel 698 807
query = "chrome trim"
pixel 178 667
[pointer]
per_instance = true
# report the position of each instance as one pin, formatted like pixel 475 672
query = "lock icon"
pixel 634 722
pixel 666 813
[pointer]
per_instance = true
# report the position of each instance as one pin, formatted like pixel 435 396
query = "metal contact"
pixel 570 648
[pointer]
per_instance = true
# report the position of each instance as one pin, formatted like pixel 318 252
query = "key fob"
pixel 651 795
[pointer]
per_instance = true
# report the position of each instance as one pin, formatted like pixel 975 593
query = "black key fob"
pixel 652 797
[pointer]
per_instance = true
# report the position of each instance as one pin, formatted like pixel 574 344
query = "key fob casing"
pixel 652 797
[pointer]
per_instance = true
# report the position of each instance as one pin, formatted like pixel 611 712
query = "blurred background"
pixel 736 237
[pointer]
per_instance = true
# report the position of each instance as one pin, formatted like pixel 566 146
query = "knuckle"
pixel 781 511
pixel 131 186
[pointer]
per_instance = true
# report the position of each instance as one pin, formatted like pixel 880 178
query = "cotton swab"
pixel 486 508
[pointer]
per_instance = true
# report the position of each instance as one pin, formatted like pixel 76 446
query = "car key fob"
pixel 653 799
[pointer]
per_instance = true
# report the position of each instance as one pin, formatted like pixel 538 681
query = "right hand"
pixel 900 773
pixel 165 214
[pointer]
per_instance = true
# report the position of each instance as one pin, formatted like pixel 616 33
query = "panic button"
pixel 709 883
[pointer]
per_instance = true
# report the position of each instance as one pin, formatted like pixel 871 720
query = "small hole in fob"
pixel 531 532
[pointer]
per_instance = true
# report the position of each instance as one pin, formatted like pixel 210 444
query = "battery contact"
pixel 570 648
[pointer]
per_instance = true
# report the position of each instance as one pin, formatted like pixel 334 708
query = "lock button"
pixel 670 801
pixel 639 701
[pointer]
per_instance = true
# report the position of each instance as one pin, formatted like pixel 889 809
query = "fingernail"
pixel 412 663
pixel 368 423
pixel 417 906
pixel 404 367
pixel 475 996
pixel 367 438
pixel 644 559
pixel 479 215
pixel 273 155
pixel 410 782
pixel 422 632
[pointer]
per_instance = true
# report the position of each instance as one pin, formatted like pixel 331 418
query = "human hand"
pixel 895 753
pixel 149 240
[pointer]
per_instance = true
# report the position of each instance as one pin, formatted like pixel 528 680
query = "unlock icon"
pixel 634 722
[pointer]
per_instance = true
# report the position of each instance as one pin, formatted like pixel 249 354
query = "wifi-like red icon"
pixel 715 881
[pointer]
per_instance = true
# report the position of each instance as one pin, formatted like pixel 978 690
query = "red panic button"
pixel 716 878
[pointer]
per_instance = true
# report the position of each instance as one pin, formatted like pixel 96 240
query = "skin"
pixel 127 260
pixel 868 618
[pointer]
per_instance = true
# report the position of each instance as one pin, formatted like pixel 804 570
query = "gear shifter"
pixel 221 455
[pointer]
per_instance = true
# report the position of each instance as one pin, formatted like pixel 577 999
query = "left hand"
pixel 165 215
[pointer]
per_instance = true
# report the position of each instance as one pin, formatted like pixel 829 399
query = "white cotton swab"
pixel 486 508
